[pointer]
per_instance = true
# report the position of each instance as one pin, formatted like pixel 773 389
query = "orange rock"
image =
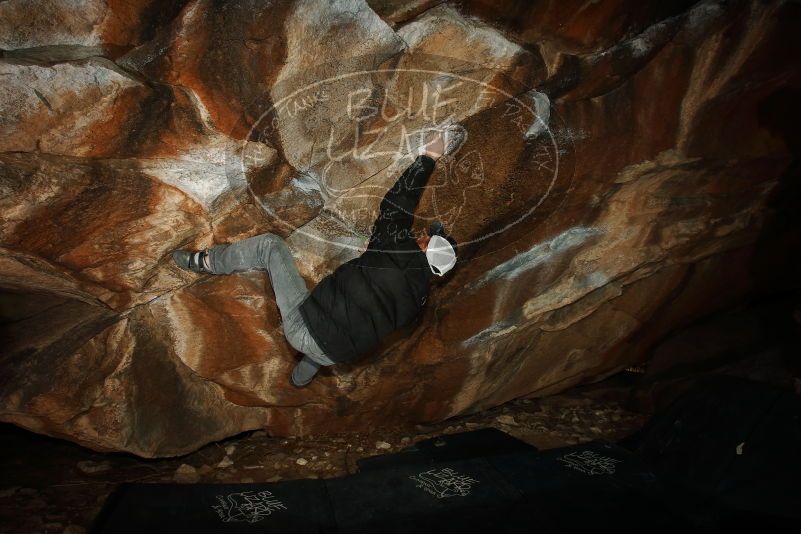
pixel 625 171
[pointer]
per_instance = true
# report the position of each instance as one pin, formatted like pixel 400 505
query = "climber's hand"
pixel 435 147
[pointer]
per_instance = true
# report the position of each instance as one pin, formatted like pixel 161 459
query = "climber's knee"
pixel 265 242
pixel 268 238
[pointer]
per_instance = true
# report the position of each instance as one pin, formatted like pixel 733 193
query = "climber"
pixel 365 299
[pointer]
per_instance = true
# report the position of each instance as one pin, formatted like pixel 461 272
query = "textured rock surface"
pixel 624 172
pixel 60 29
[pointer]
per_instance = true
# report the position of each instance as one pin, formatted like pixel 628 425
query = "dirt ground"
pixel 50 485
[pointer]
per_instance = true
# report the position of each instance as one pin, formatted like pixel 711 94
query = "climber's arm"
pixel 396 213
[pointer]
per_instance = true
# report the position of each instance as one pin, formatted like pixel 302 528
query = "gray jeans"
pixel 270 253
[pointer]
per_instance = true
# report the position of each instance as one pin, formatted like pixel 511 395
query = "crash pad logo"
pixel 444 482
pixel 322 150
pixel 248 506
pixel 590 463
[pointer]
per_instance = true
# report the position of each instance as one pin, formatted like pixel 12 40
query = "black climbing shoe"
pixel 190 261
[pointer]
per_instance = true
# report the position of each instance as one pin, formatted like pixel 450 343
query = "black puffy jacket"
pixel 365 299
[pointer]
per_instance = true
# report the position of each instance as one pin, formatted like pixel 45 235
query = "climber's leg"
pixel 298 335
pixel 271 253
pixel 265 252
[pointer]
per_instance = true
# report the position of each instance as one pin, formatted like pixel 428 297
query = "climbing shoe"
pixel 191 261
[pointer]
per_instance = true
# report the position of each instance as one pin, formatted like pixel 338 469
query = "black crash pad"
pixel 296 506
pixel 461 496
pixel 595 486
pixel 442 490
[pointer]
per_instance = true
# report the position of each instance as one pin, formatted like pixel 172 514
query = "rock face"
pixel 627 169
pixel 61 30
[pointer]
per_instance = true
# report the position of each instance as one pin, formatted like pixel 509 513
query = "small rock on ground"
pixel 89 467
pixel 506 420
pixel 186 474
